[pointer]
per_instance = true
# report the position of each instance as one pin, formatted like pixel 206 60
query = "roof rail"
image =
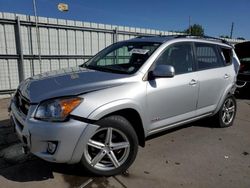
pixel 143 36
pixel 205 37
pixel 189 36
pixel 160 35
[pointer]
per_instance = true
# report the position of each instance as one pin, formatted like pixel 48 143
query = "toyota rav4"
pixel 98 114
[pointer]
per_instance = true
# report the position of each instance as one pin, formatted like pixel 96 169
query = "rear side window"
pixel 227 55
pixel 207 56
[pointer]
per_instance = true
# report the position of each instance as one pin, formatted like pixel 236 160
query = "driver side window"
pixel 180 56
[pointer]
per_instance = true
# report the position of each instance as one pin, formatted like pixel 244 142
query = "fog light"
pixel 51 147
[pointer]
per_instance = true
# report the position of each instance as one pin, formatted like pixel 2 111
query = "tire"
pixel 112 148
pixel 226 115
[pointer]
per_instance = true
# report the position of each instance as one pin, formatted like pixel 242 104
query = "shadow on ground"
pixel 206 123
pixel 20 167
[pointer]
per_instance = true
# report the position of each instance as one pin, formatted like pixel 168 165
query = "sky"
pixel 216 16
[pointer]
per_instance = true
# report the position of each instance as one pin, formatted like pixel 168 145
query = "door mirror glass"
pixel 163 71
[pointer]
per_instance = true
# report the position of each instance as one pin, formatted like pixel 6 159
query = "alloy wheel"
pixel 228 111
pixel 107 149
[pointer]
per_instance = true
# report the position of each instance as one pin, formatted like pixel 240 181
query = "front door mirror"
pixel 163 71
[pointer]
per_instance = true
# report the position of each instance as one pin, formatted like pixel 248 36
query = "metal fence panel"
pixel 87 43
pixel 2 39
pixel 10 41
pixel 4 75
pixel 63 43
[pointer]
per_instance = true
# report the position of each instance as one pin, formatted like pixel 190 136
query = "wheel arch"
pixel 229 91
pixel 135 120
pixel 129 110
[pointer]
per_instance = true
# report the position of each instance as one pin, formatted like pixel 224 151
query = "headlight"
pixel 57 109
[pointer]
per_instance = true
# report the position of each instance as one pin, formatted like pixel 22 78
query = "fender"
pixel 229 90
pixel 82 141
pixel 117 105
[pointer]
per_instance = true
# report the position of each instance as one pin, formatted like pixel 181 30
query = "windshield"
pixel 122 57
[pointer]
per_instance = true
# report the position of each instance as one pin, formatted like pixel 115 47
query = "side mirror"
pixel 163 71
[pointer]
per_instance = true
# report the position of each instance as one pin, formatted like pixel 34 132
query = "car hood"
pixel 243 49
pixel 66 82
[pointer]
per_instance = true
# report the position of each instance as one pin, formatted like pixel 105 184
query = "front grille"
pixel 22 103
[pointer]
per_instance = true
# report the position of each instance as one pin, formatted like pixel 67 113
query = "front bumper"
pixel 37 134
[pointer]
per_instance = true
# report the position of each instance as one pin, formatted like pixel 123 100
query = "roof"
pixel 165 38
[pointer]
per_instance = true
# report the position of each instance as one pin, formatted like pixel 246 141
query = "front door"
pixel 170 100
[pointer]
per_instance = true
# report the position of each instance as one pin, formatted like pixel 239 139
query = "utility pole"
pixel 19 48
pixel 232 29
pixel 189 23
pixel 37 36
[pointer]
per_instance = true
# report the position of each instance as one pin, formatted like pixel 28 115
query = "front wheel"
pixel 112 148
pixel 227 112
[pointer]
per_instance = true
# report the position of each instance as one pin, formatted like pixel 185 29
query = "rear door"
pixel 213 76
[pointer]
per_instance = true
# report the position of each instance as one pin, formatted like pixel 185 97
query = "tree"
pixel 224 36
pixel 195 29
pixel 241 38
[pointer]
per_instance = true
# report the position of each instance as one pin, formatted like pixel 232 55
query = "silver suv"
pixel 97 114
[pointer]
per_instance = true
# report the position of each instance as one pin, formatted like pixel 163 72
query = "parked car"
pixel 97 114
pixel 243 79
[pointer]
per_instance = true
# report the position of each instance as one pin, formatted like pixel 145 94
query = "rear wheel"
pixel 112 148
pixel 227 112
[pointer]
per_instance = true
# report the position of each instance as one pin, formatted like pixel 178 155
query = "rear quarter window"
pixel 207 56
pixel 227 55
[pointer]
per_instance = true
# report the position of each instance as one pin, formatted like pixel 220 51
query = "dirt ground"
pixel 196 155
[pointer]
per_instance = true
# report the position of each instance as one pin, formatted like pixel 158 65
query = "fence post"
pixel 115 39
pixel 115 35
pixel 19 49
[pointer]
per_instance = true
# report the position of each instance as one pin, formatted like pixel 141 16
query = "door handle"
pixel 226 76
pixel 193 82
